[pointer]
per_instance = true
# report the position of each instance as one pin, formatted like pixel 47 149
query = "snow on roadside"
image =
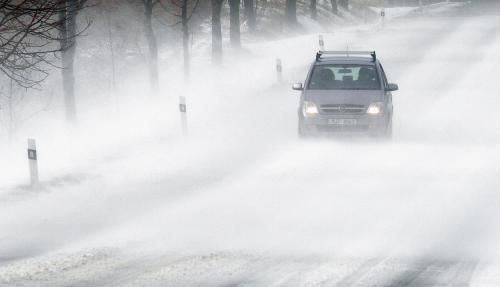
pixel 430 9
pixel 59 269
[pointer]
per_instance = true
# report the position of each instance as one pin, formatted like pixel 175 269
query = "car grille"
pixel 342 109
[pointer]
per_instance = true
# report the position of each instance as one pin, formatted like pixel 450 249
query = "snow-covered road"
pixel 243 202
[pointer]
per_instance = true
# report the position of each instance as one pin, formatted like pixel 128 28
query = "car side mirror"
pixel 392 87
pixel 298 87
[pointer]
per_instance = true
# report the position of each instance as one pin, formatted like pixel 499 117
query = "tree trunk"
pixel 152 47
pixel 234 23
pixel 250 14
pixel 344 4
pixel 112 52
pixel 68 48
pixel 185 38
pixel 291 11
pixel 216 31
pixel 312 7
pixel 11 110
pixel 335 7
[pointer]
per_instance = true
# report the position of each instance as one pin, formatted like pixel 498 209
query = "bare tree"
pixel 335 7
pixel 234 23
pixel 186 16
pixel 107 15
pixel 344 4
pixel 149 6
pixel 291 11
pixel 250 14
pixel 8 95
pixel 216 30
pixel 30 31
pixel 68 12
pixel 187 9
pixel 28 37
pixel 312 8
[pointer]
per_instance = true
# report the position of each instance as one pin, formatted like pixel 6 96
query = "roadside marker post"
pixel 33 162
pixel 279 70
pixel 321 42
pixel 382 14
pixel 183 111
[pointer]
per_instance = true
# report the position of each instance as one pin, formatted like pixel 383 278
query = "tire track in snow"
pixel 416 271
pixel 464 274
pixel 351 280
pixel 431 273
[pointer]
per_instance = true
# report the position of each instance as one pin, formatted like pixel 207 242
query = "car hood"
pixel 353 97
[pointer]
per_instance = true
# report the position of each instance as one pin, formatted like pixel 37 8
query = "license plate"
pixel 342 122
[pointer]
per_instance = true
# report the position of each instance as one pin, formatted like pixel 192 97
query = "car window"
pixel 344 77
pixel 386 83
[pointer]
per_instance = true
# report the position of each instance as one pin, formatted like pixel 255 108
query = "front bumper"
pixel 322 124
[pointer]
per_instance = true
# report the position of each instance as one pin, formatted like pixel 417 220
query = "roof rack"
pixel 347 53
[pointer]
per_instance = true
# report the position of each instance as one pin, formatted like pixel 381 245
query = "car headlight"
pixel 375 109
pixel 310 108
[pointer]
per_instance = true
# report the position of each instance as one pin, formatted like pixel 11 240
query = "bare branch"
pixel 30 31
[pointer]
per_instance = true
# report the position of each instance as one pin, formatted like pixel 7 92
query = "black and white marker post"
pixel 183 111
pixel 279 70
pixel 33 161
pixel 321 42
pixel 382 15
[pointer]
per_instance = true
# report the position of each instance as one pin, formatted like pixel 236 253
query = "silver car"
pixel 346 92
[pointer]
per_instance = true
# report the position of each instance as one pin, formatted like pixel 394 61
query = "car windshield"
pixel 344 77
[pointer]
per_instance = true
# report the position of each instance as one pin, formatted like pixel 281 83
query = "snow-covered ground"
pixel 391 13
pixel 129 201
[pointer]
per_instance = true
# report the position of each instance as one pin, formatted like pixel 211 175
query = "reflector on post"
pixel 33 162
pixel 183 110
pixel 279 70
pixel 182 104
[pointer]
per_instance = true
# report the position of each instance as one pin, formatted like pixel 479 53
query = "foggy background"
pixel 129 198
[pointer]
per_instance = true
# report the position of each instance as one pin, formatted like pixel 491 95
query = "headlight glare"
pixel 310 108
pixel 375 109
